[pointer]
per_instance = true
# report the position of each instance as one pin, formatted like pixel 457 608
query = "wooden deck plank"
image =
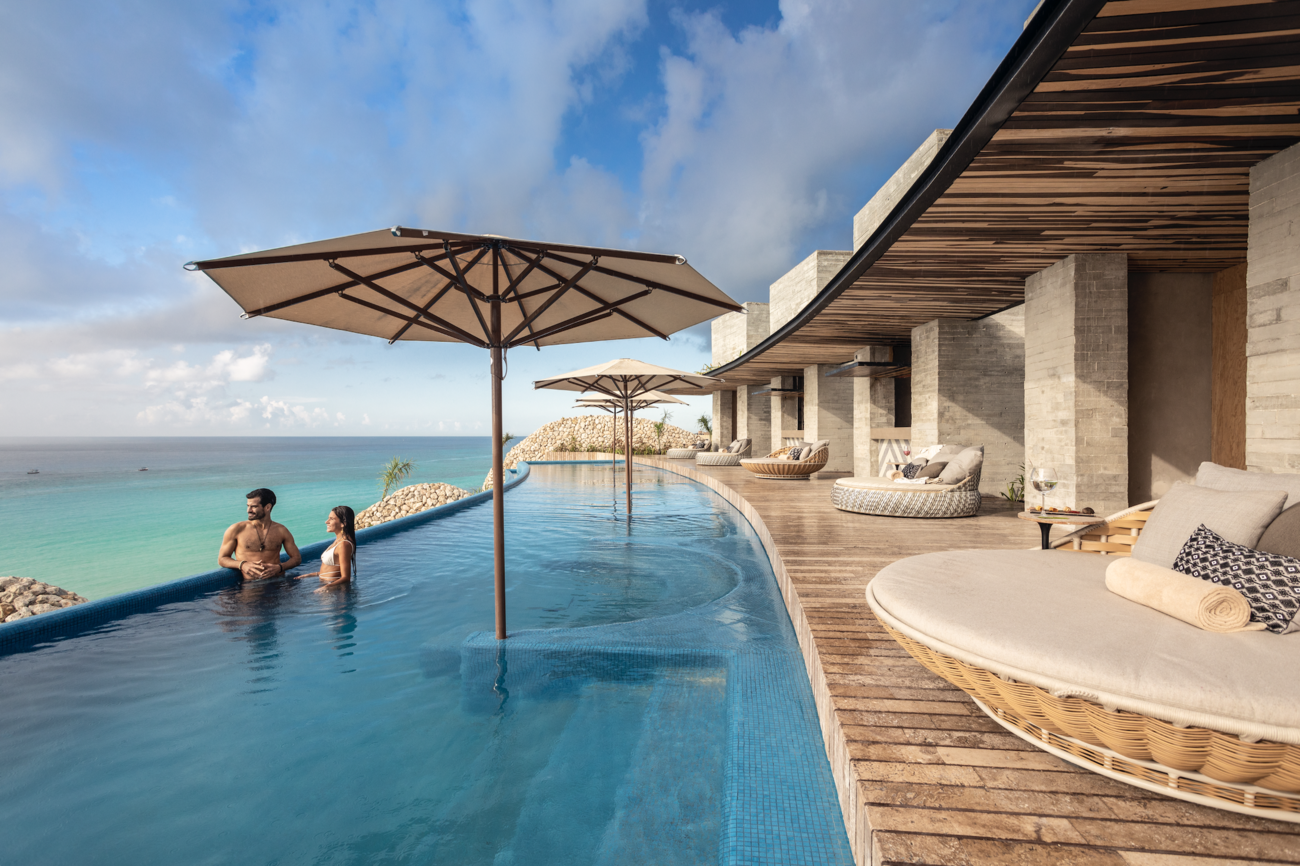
pixel 923 775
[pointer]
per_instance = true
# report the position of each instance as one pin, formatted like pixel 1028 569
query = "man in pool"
pixel 253 545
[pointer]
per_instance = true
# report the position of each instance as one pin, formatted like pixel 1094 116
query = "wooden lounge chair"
pixel 1112 686
pixel 777 466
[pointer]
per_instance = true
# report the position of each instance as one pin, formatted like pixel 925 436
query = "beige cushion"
pixel 1239 517
pixel 819 445
pixel 1283 534
pixel 968 462
pixel 872 483
pixel 1217 477
pixel 1046 618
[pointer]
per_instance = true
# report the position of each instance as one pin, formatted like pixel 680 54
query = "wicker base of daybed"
pixel 717 458
pixel 684 453
pixel 961 501
pixel 1195 764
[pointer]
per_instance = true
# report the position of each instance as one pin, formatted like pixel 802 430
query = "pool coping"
pixel 25 633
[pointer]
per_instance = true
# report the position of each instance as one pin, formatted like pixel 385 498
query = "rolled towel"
pixel 895 475
pixel 1194 601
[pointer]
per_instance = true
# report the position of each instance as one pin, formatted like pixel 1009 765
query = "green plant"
pixel 1015 491
pixel 706 424
pixel 395 472
pixel 659 427
pixel 507 438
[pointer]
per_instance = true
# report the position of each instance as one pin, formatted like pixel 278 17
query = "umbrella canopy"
pixel 485 290
pixel 625 379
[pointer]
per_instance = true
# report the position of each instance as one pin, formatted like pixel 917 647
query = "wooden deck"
pixel 923 775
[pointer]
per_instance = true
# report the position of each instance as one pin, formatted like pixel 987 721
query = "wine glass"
pixel 1044 479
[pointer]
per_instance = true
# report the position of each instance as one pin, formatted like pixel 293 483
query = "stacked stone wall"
pixel 410 500
pixel 593 433
pixel 21 597
pixel 1273 315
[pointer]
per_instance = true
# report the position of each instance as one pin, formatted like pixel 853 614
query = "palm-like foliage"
pixel 507 438
pixel 659 429
pixel 395 472
pixel 706 424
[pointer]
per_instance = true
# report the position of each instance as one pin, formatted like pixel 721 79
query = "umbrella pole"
pixel 613 448
pixel 498 479
pixel 627 457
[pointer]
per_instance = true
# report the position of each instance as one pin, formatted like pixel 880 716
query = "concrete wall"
pixel 1169 360
pixel 1273 315
pixel 754 418
pixel 792 292
pixel 1076 378
pixel 737 333
pixel 873 213
pixel 724 418
pixel 828 414
pixel 968 388
pixel 785 413
pixel 873 408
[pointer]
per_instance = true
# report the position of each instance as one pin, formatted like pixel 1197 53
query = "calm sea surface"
pixel 93 523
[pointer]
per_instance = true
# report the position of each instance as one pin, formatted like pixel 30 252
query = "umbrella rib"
pixel 437 296
pixel 589 295
pixel 398 299
pixel 546 305
pixel 651 284
pixel 320 293
pixel 580 319
pixel 469 296
pixel 218 264
pixel 458 278
pixel 577 322
pixel 409 319
pixel 513 288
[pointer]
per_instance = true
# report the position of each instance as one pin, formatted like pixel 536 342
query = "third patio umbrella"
pixel 624 379
pixel 610 404
pixel 492 292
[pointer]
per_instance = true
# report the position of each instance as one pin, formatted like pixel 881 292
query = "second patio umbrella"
pixel 624 379
pixel 492 292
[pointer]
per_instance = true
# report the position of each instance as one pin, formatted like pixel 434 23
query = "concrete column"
pixel 968 388
pixel 1273 315
pixel 1076 378
pixel 873 408
pixel 753 418
pixel 785 412
pixel 828 414
pixel 724 413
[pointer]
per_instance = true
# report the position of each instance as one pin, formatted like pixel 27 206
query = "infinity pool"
pixel 650 706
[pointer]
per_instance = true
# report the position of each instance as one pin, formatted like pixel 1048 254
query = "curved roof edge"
pixel 1051 30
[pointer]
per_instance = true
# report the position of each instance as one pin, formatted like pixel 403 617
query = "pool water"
pixel 649 707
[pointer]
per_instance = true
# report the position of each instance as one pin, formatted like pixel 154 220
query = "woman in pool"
pixel 339 561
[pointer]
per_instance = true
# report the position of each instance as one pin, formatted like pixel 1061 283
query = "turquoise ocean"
pixel 92 522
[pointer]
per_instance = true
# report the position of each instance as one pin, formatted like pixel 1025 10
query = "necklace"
pixel 261 537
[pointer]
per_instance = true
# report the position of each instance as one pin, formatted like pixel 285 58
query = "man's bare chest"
pixel 254 539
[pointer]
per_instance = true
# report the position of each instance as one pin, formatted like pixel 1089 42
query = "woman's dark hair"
pixel 349 519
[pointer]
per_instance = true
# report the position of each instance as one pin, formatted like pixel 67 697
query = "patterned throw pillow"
pixel 910 470
pixel 794 454
pixel 1270 581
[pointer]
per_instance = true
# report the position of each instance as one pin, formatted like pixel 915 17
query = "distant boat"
pixel 34 472
pixel 144 468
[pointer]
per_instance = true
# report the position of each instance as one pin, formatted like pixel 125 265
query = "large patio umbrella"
pixel 624 379
pixel 492 292
pixel 612 405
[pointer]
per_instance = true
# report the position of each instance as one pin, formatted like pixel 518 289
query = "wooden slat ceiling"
pixel 1139 140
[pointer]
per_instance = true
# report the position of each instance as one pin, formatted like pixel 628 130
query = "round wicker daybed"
pixel 887 498
pixel 724 458
pixel 1049 653
pixel 777 466
pixel 684 453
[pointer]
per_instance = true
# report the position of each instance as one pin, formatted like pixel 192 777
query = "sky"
pixel 137 135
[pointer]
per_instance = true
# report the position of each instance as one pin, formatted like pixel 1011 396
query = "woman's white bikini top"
pixel 328 557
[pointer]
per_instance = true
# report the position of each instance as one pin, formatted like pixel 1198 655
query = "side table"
pixel 1046 523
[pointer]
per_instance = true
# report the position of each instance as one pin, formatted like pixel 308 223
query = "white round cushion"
pixel 1046 618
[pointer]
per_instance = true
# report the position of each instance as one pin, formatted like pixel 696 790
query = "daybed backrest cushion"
pixel 947 453
pixel 1217 477
pixel 1283 534
pixel 931 469
pixel 1238 517
pixel 817 446
pixel 968 462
